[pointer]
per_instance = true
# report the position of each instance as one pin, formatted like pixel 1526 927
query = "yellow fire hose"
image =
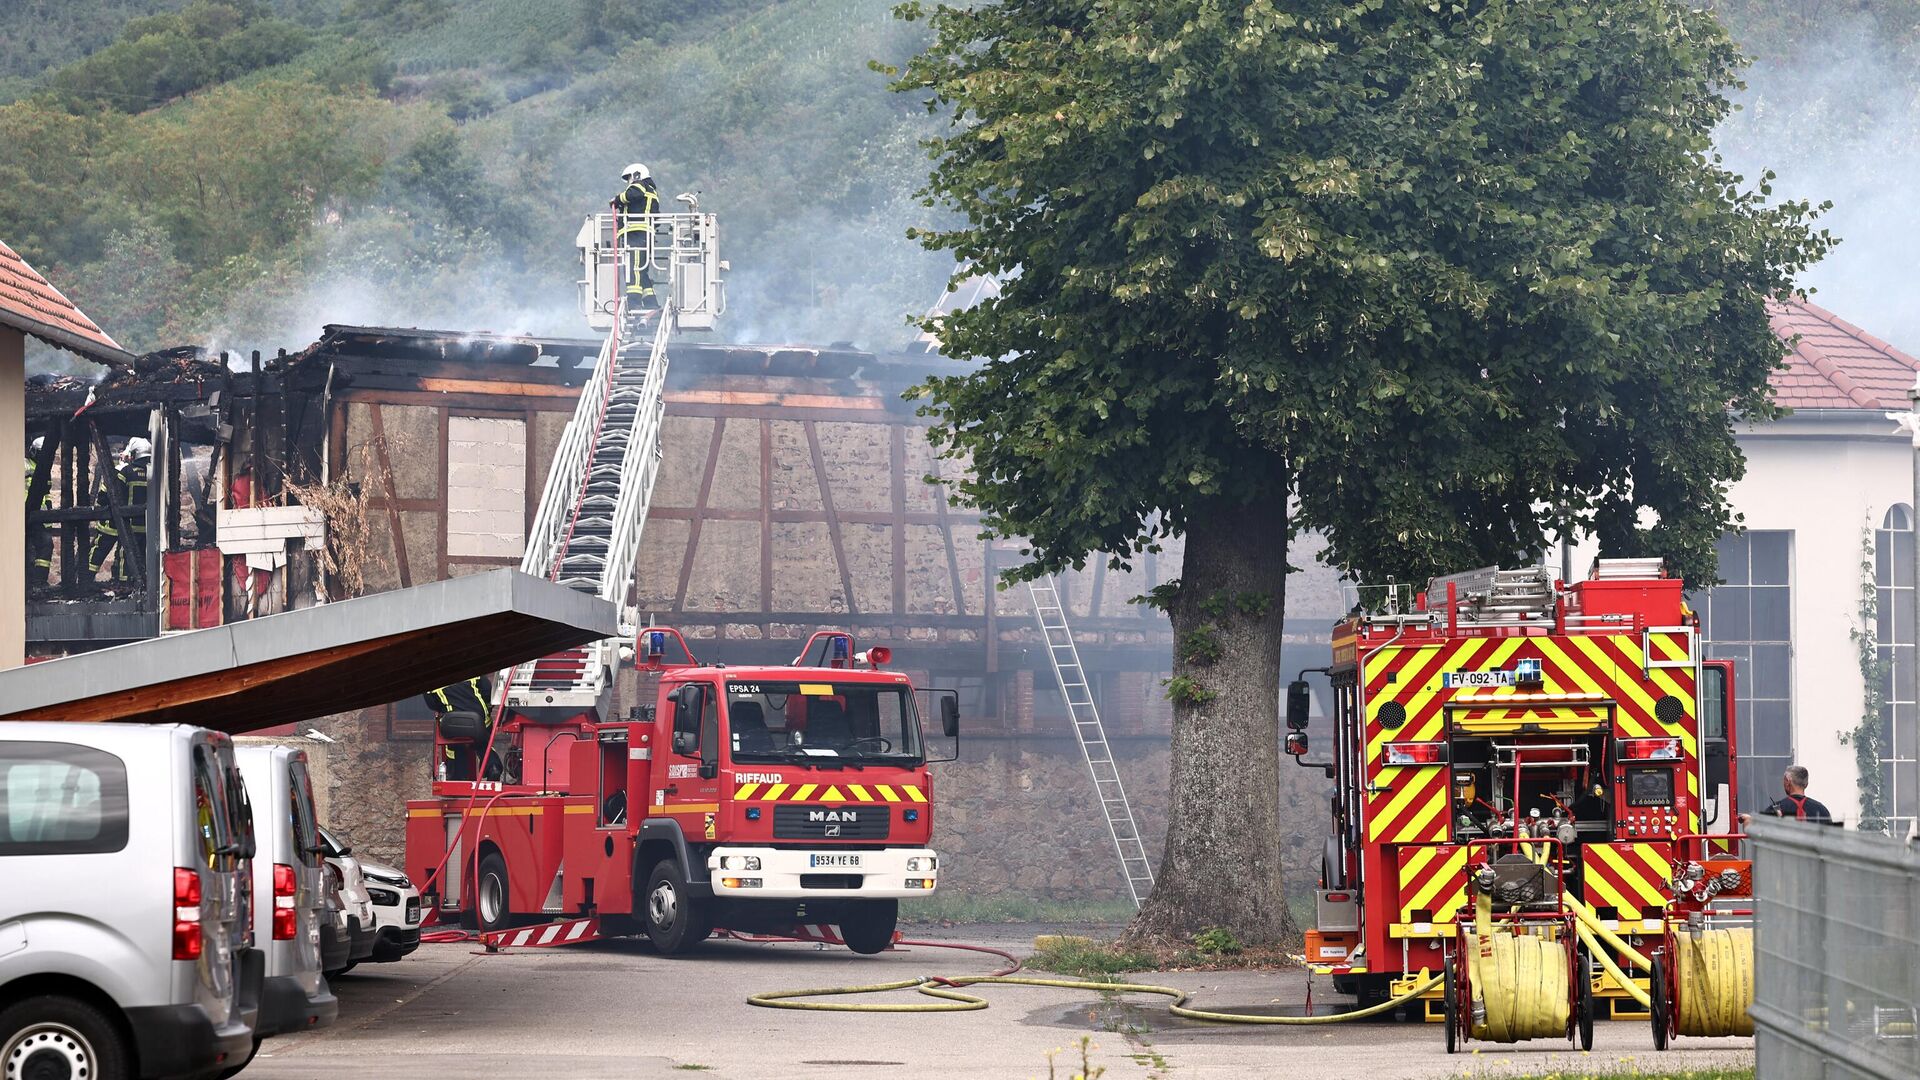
pixel 952 1000
pixel 1620 945
pixel 1519 987
pixel 1715 976
pixel 1606 961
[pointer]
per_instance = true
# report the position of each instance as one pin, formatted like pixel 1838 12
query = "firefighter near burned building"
pixel 1527 774
pixel 124 486
pixel 39 539
pixel 636 205
pixel 463 719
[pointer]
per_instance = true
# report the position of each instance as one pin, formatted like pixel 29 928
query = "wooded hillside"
pixel 236 172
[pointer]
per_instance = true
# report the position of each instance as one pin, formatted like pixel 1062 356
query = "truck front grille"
pixel 802 822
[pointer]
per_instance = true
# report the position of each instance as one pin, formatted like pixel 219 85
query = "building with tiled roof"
pixel 1837 365
pixel 30 305
pixel 1827 505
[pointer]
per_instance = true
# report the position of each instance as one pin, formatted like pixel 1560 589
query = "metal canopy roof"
pixel 303 664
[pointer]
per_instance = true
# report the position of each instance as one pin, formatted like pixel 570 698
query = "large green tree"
pixel 1435 279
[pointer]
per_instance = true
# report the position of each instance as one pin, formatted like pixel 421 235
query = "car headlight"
pixel 384 897
pixel 739 862
pixel 923 862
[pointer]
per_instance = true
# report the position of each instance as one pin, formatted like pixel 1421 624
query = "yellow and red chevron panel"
pixel 850 793
pixel 1629 877
pixel 1588 680
pixel 1433 883
pixel 1413 810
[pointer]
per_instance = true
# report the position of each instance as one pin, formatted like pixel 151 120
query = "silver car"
pixel 123 936
pixel 288 889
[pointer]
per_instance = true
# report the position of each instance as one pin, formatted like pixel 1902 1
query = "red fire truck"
pixel 1504 703
pixel 755 798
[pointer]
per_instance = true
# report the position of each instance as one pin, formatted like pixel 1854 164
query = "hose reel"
pixel 1703 984
pixel 1515 973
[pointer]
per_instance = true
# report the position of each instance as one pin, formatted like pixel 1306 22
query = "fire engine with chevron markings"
pixel 788 800
pixel 1501 706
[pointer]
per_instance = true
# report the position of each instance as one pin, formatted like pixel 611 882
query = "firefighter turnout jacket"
pixel 125 486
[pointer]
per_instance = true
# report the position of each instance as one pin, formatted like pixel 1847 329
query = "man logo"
pixel 848 816
pixel 833 830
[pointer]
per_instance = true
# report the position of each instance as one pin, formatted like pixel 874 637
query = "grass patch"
pixel 693 1068
pixel 946 910
pixel 1635 1074
pixel 1095 961
pixel 1638 1075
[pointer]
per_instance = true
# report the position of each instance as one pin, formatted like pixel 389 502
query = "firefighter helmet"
pixel 137 448
pixel 635 171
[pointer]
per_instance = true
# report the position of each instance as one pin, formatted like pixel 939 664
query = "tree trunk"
pixel 1221 866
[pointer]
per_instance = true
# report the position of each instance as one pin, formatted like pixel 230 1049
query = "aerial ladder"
pixel 586 533
pixel 1083 715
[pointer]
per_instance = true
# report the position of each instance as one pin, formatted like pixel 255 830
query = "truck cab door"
pixel 1718 780
pixel 690 790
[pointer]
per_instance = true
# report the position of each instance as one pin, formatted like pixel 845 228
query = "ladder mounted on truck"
pixel 1049 611
pixel 586 533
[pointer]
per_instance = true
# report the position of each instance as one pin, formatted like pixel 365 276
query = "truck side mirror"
pixel 1297 703
pixel 1297 743
pixel 950 716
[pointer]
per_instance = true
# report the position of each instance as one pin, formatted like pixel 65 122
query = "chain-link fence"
pixel 1838 942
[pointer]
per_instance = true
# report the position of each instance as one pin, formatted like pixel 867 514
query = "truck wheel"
pixel 869 925
pixel 51 1035
pixel 490 893
pixel 675 921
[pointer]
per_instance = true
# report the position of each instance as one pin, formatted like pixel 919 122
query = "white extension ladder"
pixel 1050 613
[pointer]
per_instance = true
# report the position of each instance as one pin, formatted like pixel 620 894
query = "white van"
pixel 290 903
pixel 122 921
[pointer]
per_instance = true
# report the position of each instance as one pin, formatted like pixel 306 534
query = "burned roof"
pixel 839 360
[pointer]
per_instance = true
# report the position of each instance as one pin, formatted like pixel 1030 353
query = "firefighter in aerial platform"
pixel 636 205
pixel 39 540
pixel 472 698
pixel 125 486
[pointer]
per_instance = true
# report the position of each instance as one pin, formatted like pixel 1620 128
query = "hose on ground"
pixel 947 989
pixel 1520 985
pixel 1713 971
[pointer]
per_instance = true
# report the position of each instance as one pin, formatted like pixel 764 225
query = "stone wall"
pixel 1015 817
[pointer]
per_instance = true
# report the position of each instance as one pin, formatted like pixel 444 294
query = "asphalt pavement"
pixel 615 1009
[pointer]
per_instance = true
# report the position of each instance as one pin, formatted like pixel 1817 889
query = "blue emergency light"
pixel 1527 670
pixel 841 645
pixel 656 643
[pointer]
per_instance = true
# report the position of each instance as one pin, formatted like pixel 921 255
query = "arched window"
pixel 1893 632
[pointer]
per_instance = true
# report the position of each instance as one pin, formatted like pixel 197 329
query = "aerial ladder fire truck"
pixel 1519 759
pixel 757 799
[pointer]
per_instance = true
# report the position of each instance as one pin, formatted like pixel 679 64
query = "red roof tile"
pixel 1837 365
pixel 29 304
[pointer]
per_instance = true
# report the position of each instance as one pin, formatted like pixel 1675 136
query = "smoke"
pixel 810 163
pixel 1835 118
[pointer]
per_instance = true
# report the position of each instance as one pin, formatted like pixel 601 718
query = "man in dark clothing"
pixel 39 540
pixel 636 204
pixel 1795 804
pixel 472 696
pixel 125 486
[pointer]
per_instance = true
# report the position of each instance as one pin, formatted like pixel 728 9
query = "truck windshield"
pixel 822 722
